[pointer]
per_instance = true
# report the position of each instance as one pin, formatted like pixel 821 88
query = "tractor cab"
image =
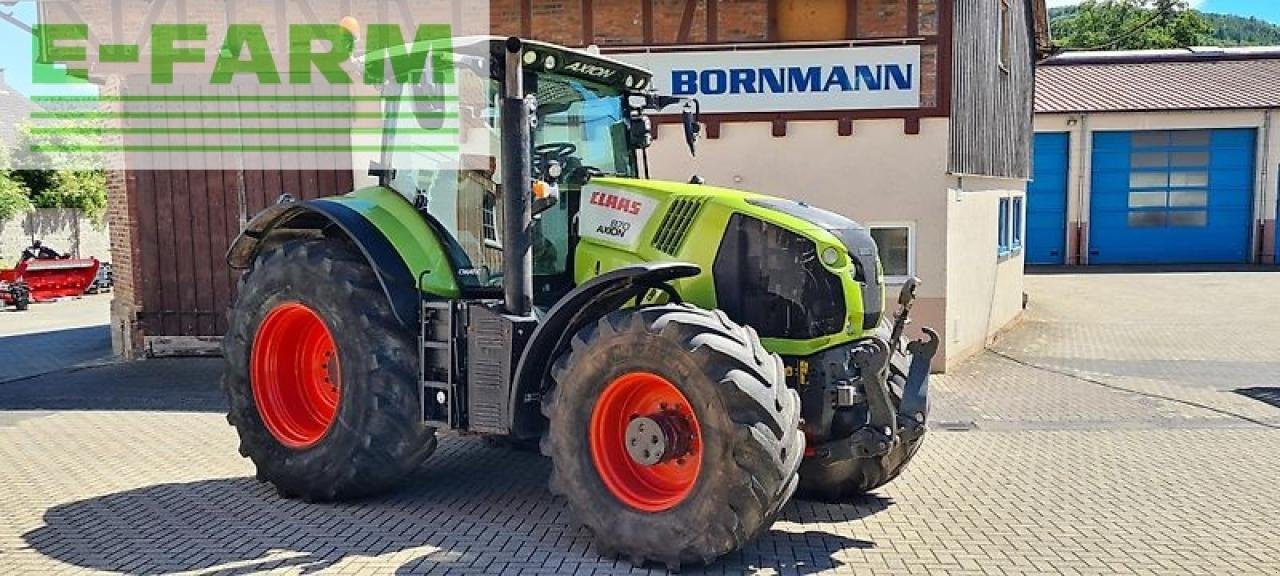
pixel 587 120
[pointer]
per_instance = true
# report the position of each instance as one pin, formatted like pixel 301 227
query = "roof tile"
pixel 1148 86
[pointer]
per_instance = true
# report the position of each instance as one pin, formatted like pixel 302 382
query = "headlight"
pixel 830 256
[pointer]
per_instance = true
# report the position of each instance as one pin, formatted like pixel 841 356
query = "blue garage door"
pixel 1047 200
pixel 1170 197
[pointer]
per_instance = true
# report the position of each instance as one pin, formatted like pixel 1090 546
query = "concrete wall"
pixel 984 290
pixel 1082 126
pixel 64 230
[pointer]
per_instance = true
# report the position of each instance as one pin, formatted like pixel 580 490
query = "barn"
pixel 912 116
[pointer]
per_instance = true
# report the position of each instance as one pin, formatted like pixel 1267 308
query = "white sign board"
pixel 789 80
pixel 614 215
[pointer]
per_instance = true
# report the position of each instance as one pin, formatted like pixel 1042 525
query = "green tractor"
pixel 688 356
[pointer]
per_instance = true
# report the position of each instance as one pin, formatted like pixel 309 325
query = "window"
pixel 1169 179
pixel 1016 216
pixel 1006 23
pixel 1009 232
pixel 490 220
pixel 896 242
pixel 1004 238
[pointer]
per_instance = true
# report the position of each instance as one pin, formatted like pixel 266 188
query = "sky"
pixel 15 58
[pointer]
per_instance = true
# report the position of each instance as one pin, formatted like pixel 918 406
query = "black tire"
pixel 378 436
pixel 842 481
pixel 21 299
pixel 751 442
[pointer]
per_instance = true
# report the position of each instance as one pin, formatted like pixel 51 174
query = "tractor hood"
pixel 681 204
pixel 856 239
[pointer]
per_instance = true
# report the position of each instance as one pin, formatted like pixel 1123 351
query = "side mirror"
pixel 691 128
pixel 640 132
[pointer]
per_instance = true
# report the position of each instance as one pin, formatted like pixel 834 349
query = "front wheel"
pixel 673 435
pixel 21 299
pixel 320 377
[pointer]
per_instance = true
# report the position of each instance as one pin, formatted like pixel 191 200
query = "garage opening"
pixel 1171 196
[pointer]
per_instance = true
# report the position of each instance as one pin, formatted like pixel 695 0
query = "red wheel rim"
pixel 295 376
pixel 648 488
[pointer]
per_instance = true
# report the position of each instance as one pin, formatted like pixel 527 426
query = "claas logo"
pixel 615 202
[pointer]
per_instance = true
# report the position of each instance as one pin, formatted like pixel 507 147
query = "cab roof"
pixel 539 56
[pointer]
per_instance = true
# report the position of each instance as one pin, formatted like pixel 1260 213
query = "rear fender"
pixel 406 255
pixel 586 304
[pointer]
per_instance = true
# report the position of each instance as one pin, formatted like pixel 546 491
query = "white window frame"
pixel 911 247
pixel 1004 227
pixel 496 241
pixel 1017 223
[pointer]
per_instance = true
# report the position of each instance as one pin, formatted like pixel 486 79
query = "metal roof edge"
pixel 1161 110
pixel 1193 54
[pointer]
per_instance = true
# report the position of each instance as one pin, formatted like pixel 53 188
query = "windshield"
pixel 580 126
pixel 593 120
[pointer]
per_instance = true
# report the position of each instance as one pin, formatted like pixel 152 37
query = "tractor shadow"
pixel 472 508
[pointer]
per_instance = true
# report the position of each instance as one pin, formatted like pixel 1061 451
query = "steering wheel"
pixel 555 149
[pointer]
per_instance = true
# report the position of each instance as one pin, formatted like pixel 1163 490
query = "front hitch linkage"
pixel 871 362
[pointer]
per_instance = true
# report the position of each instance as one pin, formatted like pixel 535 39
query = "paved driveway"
pixel 1103 436
pixel 54 336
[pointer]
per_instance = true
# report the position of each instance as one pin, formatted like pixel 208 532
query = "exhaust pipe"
pixel 517 185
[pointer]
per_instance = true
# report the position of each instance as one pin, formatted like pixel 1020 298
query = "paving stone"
pixel 1090 442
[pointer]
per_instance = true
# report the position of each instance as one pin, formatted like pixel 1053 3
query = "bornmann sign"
pixel 789 79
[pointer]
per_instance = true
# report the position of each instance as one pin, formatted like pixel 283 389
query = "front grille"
pixel 770 278
pixel 676 223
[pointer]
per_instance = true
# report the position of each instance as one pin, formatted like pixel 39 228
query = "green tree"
pixel 84 188
pixel 1131 25
pixel 14 197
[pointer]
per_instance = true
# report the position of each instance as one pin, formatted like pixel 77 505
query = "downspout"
pixel 1260 202
pixel 1082 175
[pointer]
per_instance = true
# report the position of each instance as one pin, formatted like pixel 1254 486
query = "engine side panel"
pixel 628 221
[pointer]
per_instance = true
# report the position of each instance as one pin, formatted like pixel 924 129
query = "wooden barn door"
pixel 186 221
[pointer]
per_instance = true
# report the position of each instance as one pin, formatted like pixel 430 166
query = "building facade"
pixel 911 116
pixel 927 140
pixel 1156 157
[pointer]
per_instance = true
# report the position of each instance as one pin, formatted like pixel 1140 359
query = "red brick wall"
pixel 882 18
pixel 505 17
pixel 928 17
pixel 558 21
pixel 619 22
pixel 664 22
pixel 743 20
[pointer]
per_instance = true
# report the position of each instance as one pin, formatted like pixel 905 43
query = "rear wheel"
pixel 673 435
pixel 320 377
pixel 21 298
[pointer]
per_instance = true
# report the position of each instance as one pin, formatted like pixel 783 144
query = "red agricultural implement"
pixel 41 280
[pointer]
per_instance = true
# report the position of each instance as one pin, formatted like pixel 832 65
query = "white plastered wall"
pixel 984 289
